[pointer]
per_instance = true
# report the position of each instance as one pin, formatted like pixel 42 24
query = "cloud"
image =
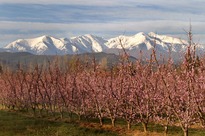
pixel 107 30
pixel 71 2
pixel 175 3
pixel 97 14
pixel 107 18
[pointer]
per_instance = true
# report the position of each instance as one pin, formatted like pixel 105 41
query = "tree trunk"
pixel 61 114
pixel 113 122
pixel 165 130
pixel 144 126
pixel 101 121
pixel 128 125
pixel 79 117
pixel 166 126
pixel 185 129
pixel 34 112
pixel 40 112
pixel 185 132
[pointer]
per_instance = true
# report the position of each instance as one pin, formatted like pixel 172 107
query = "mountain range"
pixel 12 60
pixel 137 45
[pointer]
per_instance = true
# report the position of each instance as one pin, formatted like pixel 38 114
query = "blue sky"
pixel 106 18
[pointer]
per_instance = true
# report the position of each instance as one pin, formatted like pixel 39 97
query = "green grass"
pixel 13 124
pixel 172 130
pixel 21 124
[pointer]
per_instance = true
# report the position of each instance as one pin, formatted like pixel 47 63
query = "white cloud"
pixel 71 2
pixel 171 3
pixel 108 30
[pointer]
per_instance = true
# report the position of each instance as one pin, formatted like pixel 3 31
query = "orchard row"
pixel 138 92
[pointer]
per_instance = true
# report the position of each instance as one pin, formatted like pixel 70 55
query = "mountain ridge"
pixel 140 42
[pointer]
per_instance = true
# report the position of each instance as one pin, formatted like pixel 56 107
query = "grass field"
pixel 18 124
pixel 13 124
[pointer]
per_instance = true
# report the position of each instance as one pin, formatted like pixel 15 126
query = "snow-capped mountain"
pixel 145 43
pixel 135 44
pixel 89 43
pixel 49 45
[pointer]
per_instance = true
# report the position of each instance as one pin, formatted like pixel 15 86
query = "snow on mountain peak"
pixel 91 43
pixel 46 38
pixel 167 39
pixel 139 41
pixel 140 34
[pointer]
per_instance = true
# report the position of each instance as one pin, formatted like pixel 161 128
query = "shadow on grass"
pixel 15 124
pixel 21 124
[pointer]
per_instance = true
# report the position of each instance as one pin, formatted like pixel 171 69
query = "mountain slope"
pixel 142 45
pixel 146 42
pixel 89 43
pixel 49 45
pixel 40 45
pixel 27 60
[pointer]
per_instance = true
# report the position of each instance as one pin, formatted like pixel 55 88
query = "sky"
pixel 20 19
